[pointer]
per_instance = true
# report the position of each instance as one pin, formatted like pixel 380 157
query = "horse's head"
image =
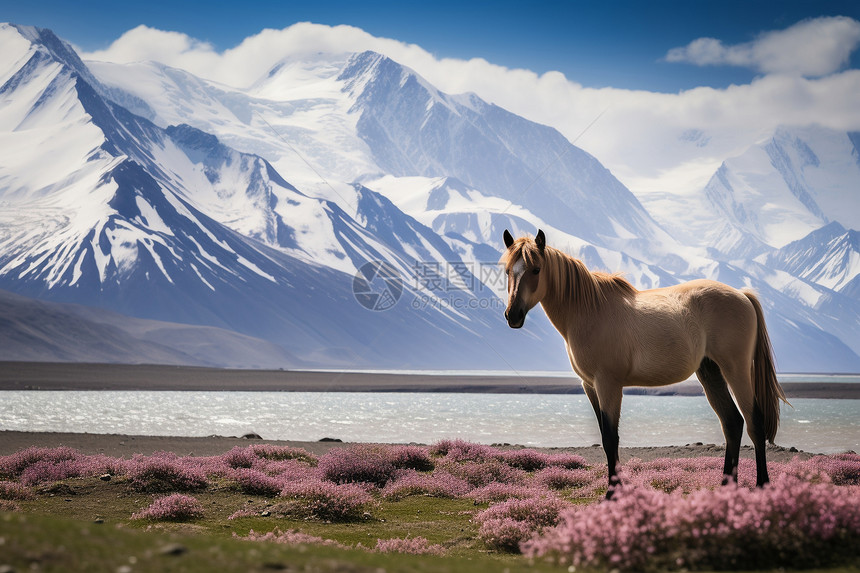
pixel 523 260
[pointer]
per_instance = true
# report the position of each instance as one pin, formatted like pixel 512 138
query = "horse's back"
pixel 679 325
pixel 726 318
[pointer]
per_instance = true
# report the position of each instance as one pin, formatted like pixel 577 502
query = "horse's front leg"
pixel 609 399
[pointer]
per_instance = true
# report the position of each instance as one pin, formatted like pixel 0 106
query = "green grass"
pixel 84 525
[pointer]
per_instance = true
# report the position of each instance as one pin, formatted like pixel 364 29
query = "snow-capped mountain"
pixel 103 207
pixel 350 116
pixel 829 256
pixel 148 191
pixel 794 181
pixel 413 129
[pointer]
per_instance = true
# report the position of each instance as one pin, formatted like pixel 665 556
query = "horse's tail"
pixel 767 390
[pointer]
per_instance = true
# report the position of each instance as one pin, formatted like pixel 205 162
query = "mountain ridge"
pixel 172 215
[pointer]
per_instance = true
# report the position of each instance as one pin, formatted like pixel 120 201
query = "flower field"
pixel 459 500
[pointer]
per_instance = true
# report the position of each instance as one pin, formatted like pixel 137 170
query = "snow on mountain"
pixel 143 189
pixel 341 117
pixel 473 224
pixel 412 129
pixel 790 183
pixel 829 256
pixel 296 116
pixel 173 225
pixel 786 187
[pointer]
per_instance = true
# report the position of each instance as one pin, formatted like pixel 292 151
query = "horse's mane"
pixel 569 277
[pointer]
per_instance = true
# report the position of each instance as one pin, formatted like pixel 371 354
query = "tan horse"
pixel 618 336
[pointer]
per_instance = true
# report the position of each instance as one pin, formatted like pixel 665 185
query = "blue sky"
pixel 619 44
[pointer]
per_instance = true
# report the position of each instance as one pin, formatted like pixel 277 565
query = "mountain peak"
pixel 60 50
pixel 361 63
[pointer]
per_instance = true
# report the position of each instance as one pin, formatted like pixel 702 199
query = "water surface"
pixel 539 420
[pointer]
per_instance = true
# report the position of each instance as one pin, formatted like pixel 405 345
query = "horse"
pixel 619 336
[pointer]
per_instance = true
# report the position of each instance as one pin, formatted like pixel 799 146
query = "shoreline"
pixel 123 445
pixel 36 376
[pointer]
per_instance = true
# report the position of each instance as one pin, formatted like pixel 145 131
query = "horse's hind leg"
pixel 730 418
pixel 739 379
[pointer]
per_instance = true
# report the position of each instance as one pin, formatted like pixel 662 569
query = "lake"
pixel 538 420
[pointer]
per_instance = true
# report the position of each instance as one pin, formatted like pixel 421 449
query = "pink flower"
pixel 175 507
pixel 411 545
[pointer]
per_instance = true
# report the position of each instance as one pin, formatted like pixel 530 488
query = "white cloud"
pixel 641 137
pixel 811 48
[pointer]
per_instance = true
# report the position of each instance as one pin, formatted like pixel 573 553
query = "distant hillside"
pixel 33 330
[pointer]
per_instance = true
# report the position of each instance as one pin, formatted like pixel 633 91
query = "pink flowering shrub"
pixel 175 507
pixel 40 465
pixel 101 464
pixel 361 463
pixel 479 474
pixel 495 492
pixel 239 457
pixel 504 526
pixel 460 450
pixel 540 511
pixel 410 457
pixel 255 482
pixel 10 490
pixel 12 466
pixel 323 500
pixel 164 472
pixel 843 469
pixel 505 534
pixel 532 460
pixel 568 461
pixel 288 470
pixel 259 454
pixel 525 459
pixel 49 471
pixel 281 453
pixel 667 474
pixel 790 523
pixel 557 477
pixel 290 537
pixel 411 482
pixel 410 545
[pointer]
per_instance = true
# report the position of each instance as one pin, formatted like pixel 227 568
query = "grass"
pixel 83 524
pixel 86 523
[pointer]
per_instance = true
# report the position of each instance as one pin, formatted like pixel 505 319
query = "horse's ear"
pixel 509 239
pixel 540 240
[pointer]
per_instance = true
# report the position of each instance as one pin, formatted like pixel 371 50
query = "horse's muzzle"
pixel 515 317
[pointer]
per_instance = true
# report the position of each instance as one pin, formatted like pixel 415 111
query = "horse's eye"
pixel 535 271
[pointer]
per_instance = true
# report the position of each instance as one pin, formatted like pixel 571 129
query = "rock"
pixel 252 436
pixel 331 440
pixel 173 549
pixel 105 477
